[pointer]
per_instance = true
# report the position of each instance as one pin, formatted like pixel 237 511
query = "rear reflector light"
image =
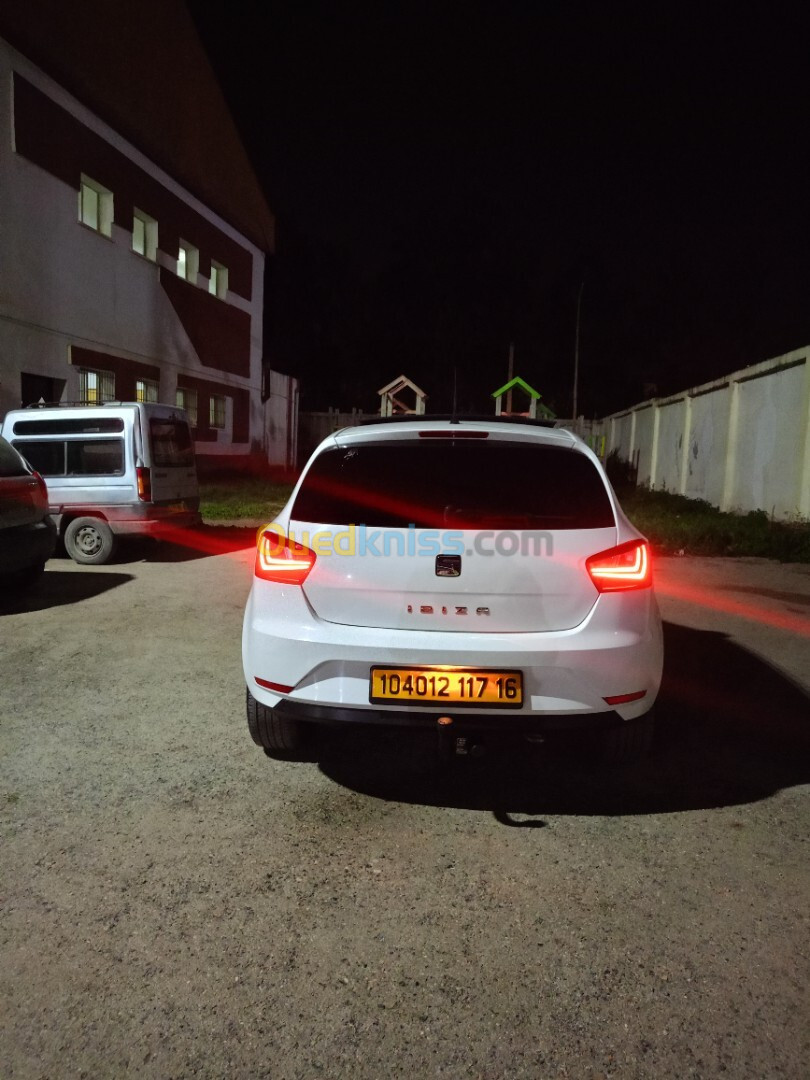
pixel 279 688
pixel 43 488
pixel 453 434
pixel 623 699
pixel 144 483
pixel 624 567
pixel 282 560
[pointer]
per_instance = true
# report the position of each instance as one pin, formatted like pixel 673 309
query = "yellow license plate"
pixel 465 687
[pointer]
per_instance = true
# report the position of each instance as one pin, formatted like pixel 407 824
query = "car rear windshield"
pixel 171 443
pixel 10 462
pixel 454 483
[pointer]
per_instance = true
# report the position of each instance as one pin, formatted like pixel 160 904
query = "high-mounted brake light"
pixel 461 434
pixel 624 567
pixel 282 560
pixel 144 477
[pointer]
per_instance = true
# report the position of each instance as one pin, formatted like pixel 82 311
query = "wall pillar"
pixel 654 448
pixel 803 494
pixel 730 468
pixel 686 436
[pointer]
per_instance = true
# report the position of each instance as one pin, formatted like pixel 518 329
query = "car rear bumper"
pixel 147 519
pixel 616 650
pixel 159 524
pixel 516 724
pixel 26 546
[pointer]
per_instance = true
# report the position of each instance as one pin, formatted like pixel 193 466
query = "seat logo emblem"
pixel 428 609
pixel 448 566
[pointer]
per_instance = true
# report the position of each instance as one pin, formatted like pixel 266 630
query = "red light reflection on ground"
pixel 706 597
pixel 209 541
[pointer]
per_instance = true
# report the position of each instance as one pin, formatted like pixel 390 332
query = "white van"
pixel 117 469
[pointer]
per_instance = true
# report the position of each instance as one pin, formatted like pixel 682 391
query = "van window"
pixel 171 443
pixel 74 457
pixel 86 425
pixel 454 484
pixel 95 457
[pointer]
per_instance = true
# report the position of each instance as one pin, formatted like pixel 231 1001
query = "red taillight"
pixel 43 488
pixel 282 560
pixel 624 567
pixel 144 483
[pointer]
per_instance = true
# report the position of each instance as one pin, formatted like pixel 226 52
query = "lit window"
pixel 216 412
pixel 144 235
pixel 218 282
pixel 95 206
pixel 146 390
pixel 96 386
pixel 187 399
pixel 188 262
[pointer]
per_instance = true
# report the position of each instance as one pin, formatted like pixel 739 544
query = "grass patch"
pixel 248 497
pixel 675 524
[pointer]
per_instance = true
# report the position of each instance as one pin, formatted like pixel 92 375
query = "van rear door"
pixel 171 458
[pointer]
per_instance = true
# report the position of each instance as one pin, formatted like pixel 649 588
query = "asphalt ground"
pixel 173 903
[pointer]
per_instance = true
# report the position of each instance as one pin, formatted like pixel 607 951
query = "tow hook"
pixel 451 745
pixel 444 736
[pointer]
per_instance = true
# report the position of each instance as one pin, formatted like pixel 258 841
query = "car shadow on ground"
pixel 59 587
pixel 731 729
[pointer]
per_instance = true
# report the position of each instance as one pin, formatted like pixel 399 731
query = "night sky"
pixel 446 175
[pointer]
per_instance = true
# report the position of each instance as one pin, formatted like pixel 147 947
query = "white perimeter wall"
pixel 741 443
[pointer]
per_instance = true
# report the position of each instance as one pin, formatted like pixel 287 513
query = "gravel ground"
pixel 176 904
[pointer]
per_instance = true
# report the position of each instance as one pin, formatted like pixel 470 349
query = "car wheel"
pixel 89 540
pixel 630 741
pixel 278 735
pixel 21 580
pixel 31 575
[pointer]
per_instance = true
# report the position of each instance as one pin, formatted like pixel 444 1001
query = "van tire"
pixel 89 540
pixel 278 735
pixel 631 741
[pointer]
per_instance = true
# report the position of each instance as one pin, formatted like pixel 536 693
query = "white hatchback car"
pixel 457 573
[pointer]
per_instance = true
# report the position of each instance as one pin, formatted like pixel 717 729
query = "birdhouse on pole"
pixel 535 405
pixel 392 405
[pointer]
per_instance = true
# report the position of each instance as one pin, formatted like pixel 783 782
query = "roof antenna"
pixel 454 418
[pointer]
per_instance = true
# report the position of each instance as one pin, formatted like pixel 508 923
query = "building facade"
pixel 117 282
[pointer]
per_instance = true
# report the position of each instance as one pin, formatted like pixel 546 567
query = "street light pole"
pixel 511 372
pixel 576 353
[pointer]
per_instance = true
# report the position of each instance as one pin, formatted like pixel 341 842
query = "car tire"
pixel 89 540
pixel 277 735
pixel 630 741
pixel 25 579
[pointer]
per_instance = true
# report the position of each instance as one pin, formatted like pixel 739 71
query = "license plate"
pixel 459 687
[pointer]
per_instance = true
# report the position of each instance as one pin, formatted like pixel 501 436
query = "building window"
pixel 96 386
pixel 216 411
pixel 187 399
pixel 144 235
pixel 218 282
pixel 146 390
pixel 95 206
pixel 188 262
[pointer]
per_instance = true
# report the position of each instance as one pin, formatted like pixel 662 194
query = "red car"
pixel 27 533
